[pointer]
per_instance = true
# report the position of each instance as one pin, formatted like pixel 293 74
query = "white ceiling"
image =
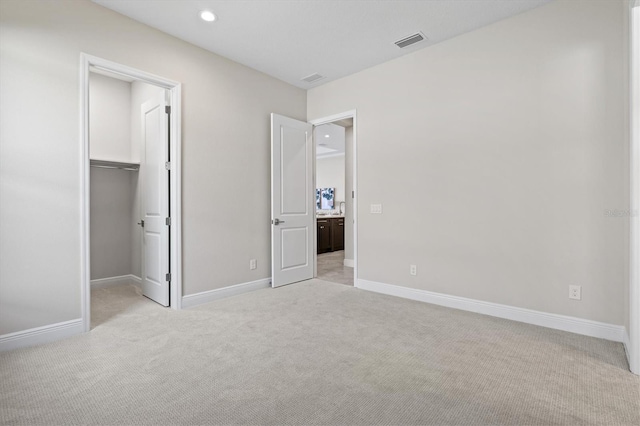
pixel 291 39
pixel 329 139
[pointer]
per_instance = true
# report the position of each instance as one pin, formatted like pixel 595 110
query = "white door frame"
pixel 632 340
pixel 174 88
pixel 326 120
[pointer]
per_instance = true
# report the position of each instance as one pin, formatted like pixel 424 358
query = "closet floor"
pixel 108 302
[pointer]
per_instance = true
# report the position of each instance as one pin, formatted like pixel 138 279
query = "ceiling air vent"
pixel 313 78
pixel 408 41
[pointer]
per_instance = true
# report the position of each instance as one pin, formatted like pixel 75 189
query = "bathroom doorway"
pixel 334 201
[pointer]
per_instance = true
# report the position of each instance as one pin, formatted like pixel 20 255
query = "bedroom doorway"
pixel 293 199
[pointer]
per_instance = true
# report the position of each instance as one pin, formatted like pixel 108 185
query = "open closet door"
pixel 292 198
pixel 155 200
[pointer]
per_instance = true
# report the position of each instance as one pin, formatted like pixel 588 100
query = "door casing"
pixel 632 339
pixel 326 120
pixel 86 63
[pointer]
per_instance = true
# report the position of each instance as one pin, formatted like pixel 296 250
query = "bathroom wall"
pixel 330 174
pixel 330 159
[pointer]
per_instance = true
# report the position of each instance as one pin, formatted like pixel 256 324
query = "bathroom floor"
pixel 331 268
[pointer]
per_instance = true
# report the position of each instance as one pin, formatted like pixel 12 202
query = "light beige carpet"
pixel 314 353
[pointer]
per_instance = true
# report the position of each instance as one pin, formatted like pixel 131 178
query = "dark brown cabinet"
pixel 324 235
pixel 330 234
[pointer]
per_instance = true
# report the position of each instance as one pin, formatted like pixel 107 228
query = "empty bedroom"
pixel 283 212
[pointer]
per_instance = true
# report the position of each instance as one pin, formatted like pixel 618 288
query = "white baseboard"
pixel 627 344
pixel 39 335
pixel 349 263
pixel 135 280
pixel 113 281
pixel 543 319
pixel 192 300
pixel 633 365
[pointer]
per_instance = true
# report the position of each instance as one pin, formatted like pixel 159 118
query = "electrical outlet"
pixel 376 208
pixel 253 264
pixel 413 269
pixel 575 292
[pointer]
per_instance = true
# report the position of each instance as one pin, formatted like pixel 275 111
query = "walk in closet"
pixel 116 140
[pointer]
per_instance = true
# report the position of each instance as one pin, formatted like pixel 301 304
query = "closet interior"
pixel 116 145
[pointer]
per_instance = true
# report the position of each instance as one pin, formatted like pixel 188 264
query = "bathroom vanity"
pixel 330 231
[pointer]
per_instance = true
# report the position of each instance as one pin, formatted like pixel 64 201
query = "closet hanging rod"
pixel 106 164
pixel 114 167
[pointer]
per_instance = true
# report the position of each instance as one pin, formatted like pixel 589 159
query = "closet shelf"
pixel 107 164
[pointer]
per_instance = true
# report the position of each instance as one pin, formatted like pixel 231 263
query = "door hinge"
pixel 168 277
pixel 353 194
pixel 167 109
pixel 167 165
pixel 167 221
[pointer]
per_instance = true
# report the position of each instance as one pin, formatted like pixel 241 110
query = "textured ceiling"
pixel 291 39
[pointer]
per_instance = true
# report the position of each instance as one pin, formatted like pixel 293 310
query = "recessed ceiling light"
pixel 207 15
pixel 326 136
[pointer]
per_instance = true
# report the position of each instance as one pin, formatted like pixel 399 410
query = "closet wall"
pixel 116 134
pixel 112 198
pixel 113 191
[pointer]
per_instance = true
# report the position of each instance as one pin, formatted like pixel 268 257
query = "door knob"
pixel 277 221
pixel 141 223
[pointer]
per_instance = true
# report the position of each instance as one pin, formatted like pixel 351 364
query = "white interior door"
pixel 292 201
pixel 155 200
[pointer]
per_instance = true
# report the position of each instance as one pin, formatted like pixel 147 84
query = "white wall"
pixel 110 118
pixel 330 167
pixel 226 109
pixel 111 218
pixel 632 112
pixel 508 148
pixel 330 174
pixel 348 182
pixel 111 209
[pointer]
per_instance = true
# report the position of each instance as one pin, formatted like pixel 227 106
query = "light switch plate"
pixel 376 208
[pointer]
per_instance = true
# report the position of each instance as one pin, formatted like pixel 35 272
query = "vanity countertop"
pixel 329 216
